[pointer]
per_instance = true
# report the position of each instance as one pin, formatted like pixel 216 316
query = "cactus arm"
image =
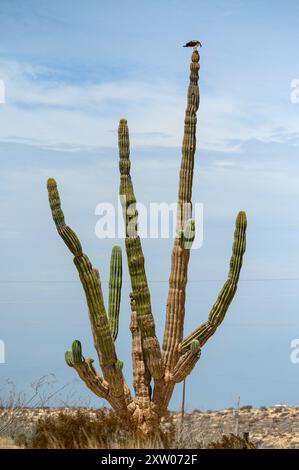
pixel 87 374
pixel 175 310
pixel 89 278
pixel 186 362
pixel 115 284
pixel 141 293
pixel 219 309
pixel 141 375
pixel 95 383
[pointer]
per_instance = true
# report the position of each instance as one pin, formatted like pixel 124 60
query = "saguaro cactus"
pixel 179 354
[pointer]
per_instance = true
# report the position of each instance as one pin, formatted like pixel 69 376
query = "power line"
pixel 62 281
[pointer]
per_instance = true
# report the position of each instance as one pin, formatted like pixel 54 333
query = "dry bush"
pixel 103 430
pixel 232 441
pixel 15 406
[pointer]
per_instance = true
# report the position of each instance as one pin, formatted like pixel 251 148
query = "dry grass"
pixel 104 430
pixel 8 443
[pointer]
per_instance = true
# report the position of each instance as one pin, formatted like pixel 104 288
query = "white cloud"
pixel 44 111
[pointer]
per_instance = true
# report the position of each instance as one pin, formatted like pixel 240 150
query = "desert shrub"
pixel 232 441
pixel 104 429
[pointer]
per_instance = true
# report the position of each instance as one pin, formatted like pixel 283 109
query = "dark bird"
pixel 195 44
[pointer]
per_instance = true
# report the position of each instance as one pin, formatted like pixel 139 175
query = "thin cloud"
pixel 44 111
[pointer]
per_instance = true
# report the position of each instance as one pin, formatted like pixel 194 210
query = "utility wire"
pixel 61 281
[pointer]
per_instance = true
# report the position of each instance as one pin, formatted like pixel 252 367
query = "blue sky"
pixel 71 71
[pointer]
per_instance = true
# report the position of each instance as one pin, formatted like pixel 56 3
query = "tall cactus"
pixel 179 355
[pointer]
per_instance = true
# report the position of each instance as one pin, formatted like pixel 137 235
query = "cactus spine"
pixel 179 355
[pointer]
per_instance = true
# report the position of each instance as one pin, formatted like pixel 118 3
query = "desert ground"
pixel 268 427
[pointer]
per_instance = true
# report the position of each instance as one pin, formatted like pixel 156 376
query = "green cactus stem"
pixel 69 358
pixel 115 284
pixel 135 258
pixel 195 346
pixel 77 352
pixel 188 234
pixel 119 365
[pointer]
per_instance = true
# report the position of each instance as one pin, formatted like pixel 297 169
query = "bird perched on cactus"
pixel 194 43
pixel 156 370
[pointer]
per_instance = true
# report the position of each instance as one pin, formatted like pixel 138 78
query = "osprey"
pixel 195 44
